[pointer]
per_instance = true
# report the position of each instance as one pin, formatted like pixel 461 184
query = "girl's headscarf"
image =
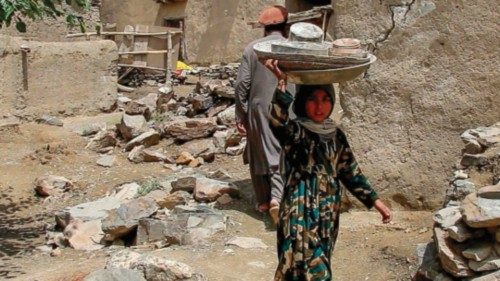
pixel 326 129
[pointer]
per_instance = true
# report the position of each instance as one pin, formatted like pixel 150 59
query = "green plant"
pixel 19 10
pixel 148 186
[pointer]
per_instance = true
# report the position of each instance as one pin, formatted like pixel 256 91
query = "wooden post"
pixel 169 57
pixel 24 55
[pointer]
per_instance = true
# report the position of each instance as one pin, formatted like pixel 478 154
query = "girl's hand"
pixel 383 210
pixel 273 66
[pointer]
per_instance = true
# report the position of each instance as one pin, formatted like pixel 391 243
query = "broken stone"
pixel 459 232
pixel 460 189
pixel 460 175
pixel 162 269
pixel 202 103
pixel 247 243
pixel 184 184
pixel 189 129
pixel 50 120
pixel 84 236
pixel 172 167
pixel 227 117
pixel 102 139
pixel 122 101
pixel 449 256
pixel 233 138
pixel 208 190
pixel 136 155
pixel 494 276
pixel 490 192
pixel 237 150
pixel 131 126
pixel 95 210
pixel 123 220
pixel 150 101
pixel 224 199
pixel 153 230
pixel 491 263
pixel 474 160
pixel 478 251
pixel 195 163
pixel 428 265
pixel 157 195
pixel 115 274
pixel 218 108
pixel 448 217
pixel 56 252
pixel 125 192
pixel 150 155
pixel 106 161
pixel 480 212
pixel 91 129
pixel 147 139
pixel 484 136
pixel 200 148
pixel 184 158
pixel 122 259
pixel 219 141
pixel 179 197
pixel 136 107
pixel 52 185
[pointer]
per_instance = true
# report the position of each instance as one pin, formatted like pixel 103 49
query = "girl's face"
pixel 318 106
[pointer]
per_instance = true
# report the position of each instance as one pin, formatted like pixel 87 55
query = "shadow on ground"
pixel 20 228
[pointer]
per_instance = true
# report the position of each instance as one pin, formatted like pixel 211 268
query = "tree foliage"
pixel 17 11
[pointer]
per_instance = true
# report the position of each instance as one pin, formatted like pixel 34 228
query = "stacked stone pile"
pixel 466 242
pixel 178 210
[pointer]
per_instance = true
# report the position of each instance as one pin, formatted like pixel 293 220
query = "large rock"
pixel 478 139
pixel 490 192
pixel 157 268
pixel 203 148
pixel 189 129
pixel 85 236
pixel 95 210
pixel 147 139
pixel 125 219
pixel 491 263
pixel 102 139
pixel 52 185
pixel 122 259
pixel 493 276
pixel 125 192
pixel 480 212
pixel 208 190
pixel 449 255
pixel 115 274
pixel 421 93
pixel 176 198
pixel 131 126
pixel 448 216
pixel 170 230
pixel 478 251
pixel 228 116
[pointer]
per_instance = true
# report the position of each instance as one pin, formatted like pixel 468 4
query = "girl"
pixel 317 159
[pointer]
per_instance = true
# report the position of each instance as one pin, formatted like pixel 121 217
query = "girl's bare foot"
pixel 274 211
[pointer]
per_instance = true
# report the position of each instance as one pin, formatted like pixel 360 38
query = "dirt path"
pixel 366 250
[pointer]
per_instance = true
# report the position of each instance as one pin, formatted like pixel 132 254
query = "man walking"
pixel 255 86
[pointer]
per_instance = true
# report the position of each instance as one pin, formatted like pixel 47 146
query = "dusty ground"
pixel 366 250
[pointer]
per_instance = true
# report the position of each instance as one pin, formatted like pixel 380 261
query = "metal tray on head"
pixel 329 76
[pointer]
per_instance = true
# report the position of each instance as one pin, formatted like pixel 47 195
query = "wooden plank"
pixel 140 66
pixel 144 52
pixel 138 34
pixel 141 44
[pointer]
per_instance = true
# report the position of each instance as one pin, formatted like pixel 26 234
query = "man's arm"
pixel 242 89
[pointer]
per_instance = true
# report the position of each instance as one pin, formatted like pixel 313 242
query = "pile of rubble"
pixel 178 210
pixel 466 242
pixel 204 121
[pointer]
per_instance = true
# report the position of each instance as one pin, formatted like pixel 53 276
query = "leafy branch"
pixel 18 11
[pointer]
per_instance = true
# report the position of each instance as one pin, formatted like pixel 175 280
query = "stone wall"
pixel 436 75
pixel 63 77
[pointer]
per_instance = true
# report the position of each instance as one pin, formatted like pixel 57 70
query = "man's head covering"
pixel 304 91
pixel 272 15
